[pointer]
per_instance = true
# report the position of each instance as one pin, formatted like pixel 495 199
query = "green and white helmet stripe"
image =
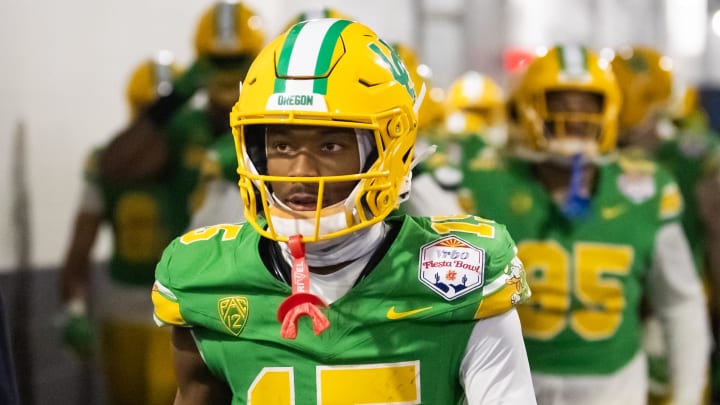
pixel 303 65
pixel 573 62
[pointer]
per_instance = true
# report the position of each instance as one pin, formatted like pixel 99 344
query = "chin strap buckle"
pixel 301 301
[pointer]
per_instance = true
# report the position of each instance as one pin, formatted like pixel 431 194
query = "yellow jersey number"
pixel 458 223
pixel 139 233
pixel 230 232
pixel 338 385
pixel 548 267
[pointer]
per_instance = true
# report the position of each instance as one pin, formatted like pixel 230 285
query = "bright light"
pixel 424 71
pixel 686 23
pixel 164 57
pixel 607 54
pixel 715 23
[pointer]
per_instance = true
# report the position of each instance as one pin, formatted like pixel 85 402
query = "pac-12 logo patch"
pixel 234 313
pixel 452 267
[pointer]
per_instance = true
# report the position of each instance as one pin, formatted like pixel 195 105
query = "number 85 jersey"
pixel 588 275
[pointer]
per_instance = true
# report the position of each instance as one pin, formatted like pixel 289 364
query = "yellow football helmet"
pixel 229 28
pixel 327 72
pixel 645 79
pixel 565 68
pixel 475 103
pixel 153 78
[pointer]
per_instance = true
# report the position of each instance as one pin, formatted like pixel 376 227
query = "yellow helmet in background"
pixel 336 73
pixel 646 81
pixel 229 28
pixel 431 111
pixel 153 78
pixel 474 103
pixel 566 68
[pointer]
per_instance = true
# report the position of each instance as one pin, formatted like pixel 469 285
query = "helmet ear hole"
pixel 398 126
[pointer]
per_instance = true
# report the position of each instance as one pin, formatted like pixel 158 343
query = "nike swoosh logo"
pixel 392 315
pixel 612 212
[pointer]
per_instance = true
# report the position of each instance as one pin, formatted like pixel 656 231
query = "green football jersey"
pixel 686 156
pixel 146 217
pixel 402 329
pixel 587 275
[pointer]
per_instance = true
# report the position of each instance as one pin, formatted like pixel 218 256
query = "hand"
pixel 77 331
pixel 78 335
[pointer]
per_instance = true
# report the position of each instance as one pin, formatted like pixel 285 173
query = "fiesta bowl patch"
pixel 452 267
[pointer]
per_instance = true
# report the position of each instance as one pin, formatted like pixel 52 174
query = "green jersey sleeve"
pixel 471 239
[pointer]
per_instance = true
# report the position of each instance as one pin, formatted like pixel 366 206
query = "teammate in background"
pixel 219 179
pixel 435 176
pixel 228 36
pixel 646 82
pixel 477 126
pixel 661 121
pixel 144 218
pixel 322 287
pixel 597 235
pixel 475 107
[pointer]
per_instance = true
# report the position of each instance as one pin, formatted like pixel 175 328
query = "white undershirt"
pixel 677 296
pixel 332 286
pixel 495 367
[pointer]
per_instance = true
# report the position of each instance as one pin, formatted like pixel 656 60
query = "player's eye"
pixel 331 147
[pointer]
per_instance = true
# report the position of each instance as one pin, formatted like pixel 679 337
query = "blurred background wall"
pixel 64 67
pixel 65 64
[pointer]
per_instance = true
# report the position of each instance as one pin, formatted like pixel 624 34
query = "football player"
pixel 144 218
pixel 662 121
pixel 435 175
pixel 227 37
pixel 597 235
pixel 475 104
pixel 322 288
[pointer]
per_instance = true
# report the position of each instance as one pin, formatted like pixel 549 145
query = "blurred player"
pixel 144 218
pixel 660 120
pixel 227 38
pixel 597 235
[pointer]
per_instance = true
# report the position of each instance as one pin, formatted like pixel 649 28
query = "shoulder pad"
pixel 635 161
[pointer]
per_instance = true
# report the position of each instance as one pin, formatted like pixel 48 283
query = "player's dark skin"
pixel 140 152
pixel 556 178
pixel 297 151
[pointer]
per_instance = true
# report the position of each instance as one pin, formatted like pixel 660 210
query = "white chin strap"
pixel 332 219
pixel 342 249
